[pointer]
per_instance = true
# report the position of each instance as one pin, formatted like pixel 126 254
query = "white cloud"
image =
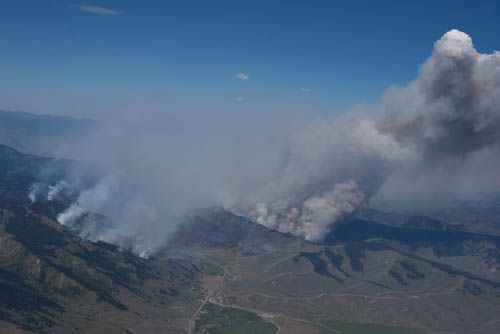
pixel 305 90
pixel 99 10
pixel 239 99
pixel 241 76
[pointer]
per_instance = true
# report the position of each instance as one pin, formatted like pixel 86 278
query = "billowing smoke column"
pixel 452 109
pixel 91 200
pixel 444 120
pixel 334 168
pixel 102 212
pixel 136 221
pixel 313 218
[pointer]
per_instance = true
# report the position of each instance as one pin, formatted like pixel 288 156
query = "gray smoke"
pixel 339 163
pixel 47 192
pixel 442 123
pixel 312 219
pixel 112 212
pixel 35 191
pixel 90 200
pixel 57 189
pixel 437 135
pixel 451 109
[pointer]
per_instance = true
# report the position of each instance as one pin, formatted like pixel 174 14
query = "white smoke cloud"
pixel 104 213
pixel 34 191
pixel 44 191
pixel 333 168
pixel 90 200
pixel 56 189
pixel 312 219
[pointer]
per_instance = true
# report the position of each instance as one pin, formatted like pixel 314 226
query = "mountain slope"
pixel 417 275
pixel 51 281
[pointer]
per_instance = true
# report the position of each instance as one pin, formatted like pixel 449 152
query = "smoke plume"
pixel 442 123
pixel 34 191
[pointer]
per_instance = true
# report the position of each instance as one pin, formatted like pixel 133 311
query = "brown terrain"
pixel 376 273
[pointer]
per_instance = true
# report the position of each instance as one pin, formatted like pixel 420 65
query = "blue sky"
pixel 302 58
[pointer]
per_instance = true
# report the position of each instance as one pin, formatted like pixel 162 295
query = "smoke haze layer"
pixel 421 144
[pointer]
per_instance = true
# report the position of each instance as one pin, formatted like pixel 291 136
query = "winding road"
pixel 210 294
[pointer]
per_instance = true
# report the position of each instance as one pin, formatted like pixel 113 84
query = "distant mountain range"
pixel 40 134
